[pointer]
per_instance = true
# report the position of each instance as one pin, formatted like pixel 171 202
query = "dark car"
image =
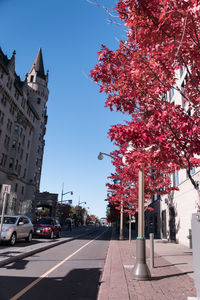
pixel 47 227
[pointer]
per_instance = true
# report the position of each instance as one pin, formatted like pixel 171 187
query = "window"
pixel 1 117
pixel 16 186
pixel 11 163
pixel 16 95
pixel 155 197
pixel 38 100
pixel 176 178
pixel 24 173
pixel 16 164
pixel 12 109
pixel 182 71
pixel 6 140
pixel 25 220
pixel 182 97
pixel 3 159
pixel 16 129
pixel 171 94
pixel 31 79
pixel 9 83
pixel 14 143
pixel 22 191
pixel 23 139
pixel 21 131
pixel 21 153
pixel 23 103
pixel 3 100
pixel 19 169
pixel 9 124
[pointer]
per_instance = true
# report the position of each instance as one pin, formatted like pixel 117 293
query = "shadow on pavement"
pixel 170 275
pixel 171 265
pixel 78 284
pixel 17 265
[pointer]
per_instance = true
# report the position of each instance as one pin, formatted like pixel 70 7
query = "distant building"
pixel 23 119
pixel 47 200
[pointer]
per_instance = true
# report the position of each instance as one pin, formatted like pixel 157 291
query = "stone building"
pixel 23 119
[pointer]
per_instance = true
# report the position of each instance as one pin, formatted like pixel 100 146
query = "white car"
pixel 16 227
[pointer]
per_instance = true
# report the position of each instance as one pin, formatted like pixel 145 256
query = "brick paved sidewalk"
pixel 168 280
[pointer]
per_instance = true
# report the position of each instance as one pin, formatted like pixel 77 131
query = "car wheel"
pixel 29 238
pixel 52 235
pixel 13 239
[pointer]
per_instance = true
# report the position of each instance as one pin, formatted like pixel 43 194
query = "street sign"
pixel 6 188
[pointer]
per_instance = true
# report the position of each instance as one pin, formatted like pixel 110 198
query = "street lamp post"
pixel 62 193
pixel 140 270
pixel 121 232
pixel 84 214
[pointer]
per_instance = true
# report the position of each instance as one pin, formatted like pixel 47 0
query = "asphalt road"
pixel 70 271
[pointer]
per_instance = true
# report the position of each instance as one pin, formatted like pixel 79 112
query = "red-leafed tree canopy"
pixel 163 40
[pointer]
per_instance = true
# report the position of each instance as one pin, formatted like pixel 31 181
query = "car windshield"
pixel 9 220
pixel 45 221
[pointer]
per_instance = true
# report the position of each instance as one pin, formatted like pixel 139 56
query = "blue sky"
pixel 70 34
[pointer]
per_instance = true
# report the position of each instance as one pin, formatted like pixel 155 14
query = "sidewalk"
pixel 172 275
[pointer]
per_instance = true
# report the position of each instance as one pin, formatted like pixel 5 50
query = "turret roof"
pixel 38 65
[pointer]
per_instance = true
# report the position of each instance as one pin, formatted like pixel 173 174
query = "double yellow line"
pixel 28 287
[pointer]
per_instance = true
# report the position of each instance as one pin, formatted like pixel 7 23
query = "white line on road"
pixel 28 287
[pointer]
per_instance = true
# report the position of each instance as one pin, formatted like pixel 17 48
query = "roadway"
pixel 71 271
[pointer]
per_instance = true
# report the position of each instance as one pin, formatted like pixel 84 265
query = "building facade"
pixel 23 119
pixel 171 218
pixel 49 201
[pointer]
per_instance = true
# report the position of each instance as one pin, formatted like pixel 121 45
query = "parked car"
pixel 15 228
pixel 47 227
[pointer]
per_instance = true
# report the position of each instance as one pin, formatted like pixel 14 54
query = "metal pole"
pixel 121 234
pixel 151 250
pixel 129 228
pixel 3 212
pixel 141 204
pixel 141 270
pixel 62 193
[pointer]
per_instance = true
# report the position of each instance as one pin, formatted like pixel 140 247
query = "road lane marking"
pixel 28 287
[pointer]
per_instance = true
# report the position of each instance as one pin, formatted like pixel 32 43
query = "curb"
pixel 42 248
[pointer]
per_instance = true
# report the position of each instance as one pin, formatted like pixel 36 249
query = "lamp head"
pixel 100 156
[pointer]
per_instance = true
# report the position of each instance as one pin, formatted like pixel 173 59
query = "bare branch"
pixel 108 10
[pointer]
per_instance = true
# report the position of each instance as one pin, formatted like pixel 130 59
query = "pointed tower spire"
pixel 38 65
pixel 12 61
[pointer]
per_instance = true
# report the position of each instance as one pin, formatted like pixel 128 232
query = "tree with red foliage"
pixel 124 189
pixel 162 38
